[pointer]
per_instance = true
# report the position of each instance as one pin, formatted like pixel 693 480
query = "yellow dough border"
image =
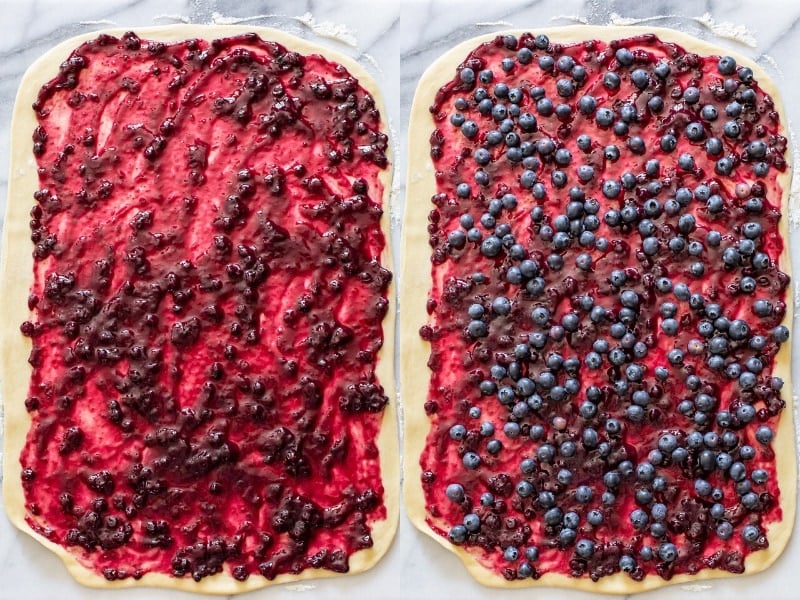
pixel 415 286
pixel 16 275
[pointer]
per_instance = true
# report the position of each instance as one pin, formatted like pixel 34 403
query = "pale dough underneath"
pixel 16 275
pixel 421 186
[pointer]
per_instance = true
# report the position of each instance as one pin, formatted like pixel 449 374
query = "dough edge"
pixel 415 278
pixel 16 270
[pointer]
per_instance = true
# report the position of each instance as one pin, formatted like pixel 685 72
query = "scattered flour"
pixel 371 60
pixel 99 22
pixel 328 29
pixel 617 19
pixel 696 587
pixel 176 18
pixel 573 18
pixel 794 190
pixel 797 297
pixel 494 24
pixel 220 19
pixel 728 30
pixel 300 587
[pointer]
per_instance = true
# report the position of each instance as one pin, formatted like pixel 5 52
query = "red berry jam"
pixel 605 310
pixel 207 303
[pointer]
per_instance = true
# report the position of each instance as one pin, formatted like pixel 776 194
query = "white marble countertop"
pixel 395 41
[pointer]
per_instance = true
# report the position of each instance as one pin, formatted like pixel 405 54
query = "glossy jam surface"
pixel 605 310
pixel 207 306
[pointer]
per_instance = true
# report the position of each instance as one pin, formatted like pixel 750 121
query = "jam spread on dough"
pixel 605 310
pixel 207 307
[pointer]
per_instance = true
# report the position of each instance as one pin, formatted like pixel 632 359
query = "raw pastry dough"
pixel 17 269
pixel 416 277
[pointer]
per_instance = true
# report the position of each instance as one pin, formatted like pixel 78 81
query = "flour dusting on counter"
pixel 728 30
pixel 797 300
pixel 301 587
pixel 371 60
pixel 573 18
pixel 220 19
pixel 617 19
pixel 725 29
pixel 696 587
pixel 328 29
pixel 494 24
pixel 173 17
pixel 98 22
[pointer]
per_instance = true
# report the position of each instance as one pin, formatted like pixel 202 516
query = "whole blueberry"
pixel 764 434
pixel 584 494
pixel 471 460
pixel 458 534
pixel 780 334
pixel 695 131
pixel 469 129
pixel 750 533
pixel 604 117
pixel 639 519
pixel 584 548
pixel 455 492
pixel 714 146
pixel 668 552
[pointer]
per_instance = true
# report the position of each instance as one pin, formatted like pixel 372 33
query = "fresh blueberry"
pixel 662 69
pixel 613 426
pixel 640 78
pixel 709 112
pixel 494 447
pixel 757 149
pixel 624 57
pixel 455 492
pixel 695 132
pixel 764 434
pixel 750 533
pixel 584 548
pixel 656 104
pixel 745 74
pixel 639 519
pixel 726 65
pixel 668 552
pixel 604 117
pixel 467 76
pixel 471 460
pixel 780 334
pixel 686 162
pixel 691 95
pixel 732 129
pixel 636 145
pixel 627 564
pixel 713 146
pixel 544 106
pixel 491 246
pixel 675 357
pixel 458 432
pixel 469 129
pixel 458 534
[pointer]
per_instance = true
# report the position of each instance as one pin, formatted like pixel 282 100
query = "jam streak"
pixel 605 309
pixel 208 299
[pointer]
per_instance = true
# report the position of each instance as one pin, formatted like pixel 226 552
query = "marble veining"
pixel 395 40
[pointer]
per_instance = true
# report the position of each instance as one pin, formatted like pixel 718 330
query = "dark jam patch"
pixel 605 309
pixel 207 306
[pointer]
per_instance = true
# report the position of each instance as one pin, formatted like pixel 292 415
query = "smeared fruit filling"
pixel 206 310
pixel 605 310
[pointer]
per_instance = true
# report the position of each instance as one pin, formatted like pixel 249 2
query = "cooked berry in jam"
pixel 606 309
pixel 207 306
